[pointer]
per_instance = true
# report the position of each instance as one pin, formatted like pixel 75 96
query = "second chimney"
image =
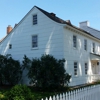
pixel 9 29
pixel 82 24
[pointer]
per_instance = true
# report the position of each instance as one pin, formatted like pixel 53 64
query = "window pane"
pixel 93 47
pixel 75 68
pixel 86 68
pixel 74 41
pixel 34 41
pixel 10 46
pixel 85 44
pixel 34 19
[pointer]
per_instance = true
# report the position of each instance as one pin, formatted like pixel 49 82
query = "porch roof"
pixel 94 56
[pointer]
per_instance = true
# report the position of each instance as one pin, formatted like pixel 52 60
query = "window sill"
pixel 75 75
pixel 35 48
pixel 85 50
pixel 75 48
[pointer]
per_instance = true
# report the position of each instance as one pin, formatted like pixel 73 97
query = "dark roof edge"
pixel 54 18
pixel 95 54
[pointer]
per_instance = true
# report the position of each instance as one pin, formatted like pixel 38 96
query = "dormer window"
pixel 35 19
pixel 10 46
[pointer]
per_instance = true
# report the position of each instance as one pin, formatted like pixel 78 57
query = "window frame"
pixel 35 20
pixel 34 47
pixel 93 47
pixel 76 68
pixel 75 41
pixel 85 44
pixel 10 46
pixel 86 68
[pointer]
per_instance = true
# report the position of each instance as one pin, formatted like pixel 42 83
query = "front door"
pixel 95 67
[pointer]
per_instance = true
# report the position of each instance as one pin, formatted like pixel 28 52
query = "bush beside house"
pixel 44 73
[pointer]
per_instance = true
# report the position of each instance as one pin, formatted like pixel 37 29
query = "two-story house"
pixel 41 32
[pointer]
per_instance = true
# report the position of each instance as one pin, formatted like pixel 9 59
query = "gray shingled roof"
pixel 92 31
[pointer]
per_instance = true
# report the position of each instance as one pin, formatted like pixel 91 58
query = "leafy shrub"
pixel 1 96
pixel 20 92
pixel 10 70
pixel 46 72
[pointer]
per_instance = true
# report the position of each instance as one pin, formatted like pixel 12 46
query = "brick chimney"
pixel 9 29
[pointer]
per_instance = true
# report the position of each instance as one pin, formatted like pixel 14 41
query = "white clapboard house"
pixel 41 32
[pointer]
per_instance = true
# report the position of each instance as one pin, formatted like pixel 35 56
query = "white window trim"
pixel 34 48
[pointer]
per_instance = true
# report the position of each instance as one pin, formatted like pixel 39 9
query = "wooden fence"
pixel 87 93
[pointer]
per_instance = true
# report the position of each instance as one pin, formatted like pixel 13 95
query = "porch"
pixel 95 67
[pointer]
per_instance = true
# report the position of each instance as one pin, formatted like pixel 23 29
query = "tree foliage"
pixel 47 71
pixel 10 70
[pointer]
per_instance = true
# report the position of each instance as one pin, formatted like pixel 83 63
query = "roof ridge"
pixel 54 18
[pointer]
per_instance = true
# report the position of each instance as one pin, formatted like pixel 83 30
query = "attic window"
pixel 35 19
pixel 10 46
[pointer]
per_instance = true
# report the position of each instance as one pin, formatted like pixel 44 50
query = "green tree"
pixel 48 72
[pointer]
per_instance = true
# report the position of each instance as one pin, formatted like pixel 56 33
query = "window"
pixel 74 41
pixel 85 44
pixel 34 41
pixel 93 47
pixel 75 68
pixel 34 19
pixel 86 68
pixel 10 46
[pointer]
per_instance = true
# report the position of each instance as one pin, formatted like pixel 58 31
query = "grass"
pixel 40 94
pixel 37 95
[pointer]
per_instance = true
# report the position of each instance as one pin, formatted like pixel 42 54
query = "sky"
pixel 12 11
